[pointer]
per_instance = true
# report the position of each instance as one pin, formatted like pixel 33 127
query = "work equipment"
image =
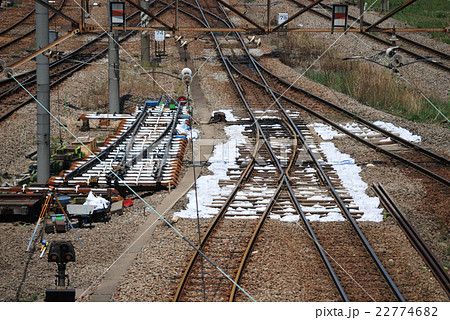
pixel 43 247
pixel 45 211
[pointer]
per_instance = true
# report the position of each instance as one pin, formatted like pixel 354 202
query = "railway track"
pixel 28 19
pixel 365 259
pixel 146 151
pixel 296 185
pixel 18 22
pixel 411 45
pixel 415 239
pixel 13 97
pixel 421 159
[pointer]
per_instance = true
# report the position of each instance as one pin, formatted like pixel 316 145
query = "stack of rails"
pixel 147 154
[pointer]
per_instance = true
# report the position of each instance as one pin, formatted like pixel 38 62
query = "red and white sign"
pixel 339 16
pixel 117 13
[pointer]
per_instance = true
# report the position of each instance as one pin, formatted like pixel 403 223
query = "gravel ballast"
pixel 283 266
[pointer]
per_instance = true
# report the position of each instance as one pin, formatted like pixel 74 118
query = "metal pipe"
pixel 145 35
pixel 43 49
pixel 44 3
pixel 297 14
pixel 150 14
pixel 113 72
pixel 43 96
pixel 361 14
pixel 403 6
pixel 241 15
pixel 258 31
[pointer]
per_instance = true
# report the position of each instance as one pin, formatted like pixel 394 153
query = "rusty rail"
pixel 415 239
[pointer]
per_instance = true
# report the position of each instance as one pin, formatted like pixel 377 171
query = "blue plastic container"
pixel 64 200
pixel 151 103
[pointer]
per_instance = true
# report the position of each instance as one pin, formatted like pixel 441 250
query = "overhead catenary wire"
pixel 140 198
pixel 196 205
pixel 297 222
pixel 425 97
pixel 200 252
pixel 311 65
pixel 191 132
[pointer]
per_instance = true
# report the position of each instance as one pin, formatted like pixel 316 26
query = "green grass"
pixel 382 91
pixel 424 14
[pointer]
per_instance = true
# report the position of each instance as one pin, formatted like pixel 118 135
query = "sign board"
pixel 282 17
pixel 160 35
pixel 339 16
pixel 116 13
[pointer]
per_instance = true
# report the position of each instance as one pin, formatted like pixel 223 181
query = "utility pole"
pixel 384 5
pixel 113 72
pixel 361 15
pixel 43 96
pixel 145 35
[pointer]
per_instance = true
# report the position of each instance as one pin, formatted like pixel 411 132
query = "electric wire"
pixel 354 280
pixel 196 196
pixel 311 65
pixel 269 107
pixel 140 198
pixel 199 250
pixel 421 93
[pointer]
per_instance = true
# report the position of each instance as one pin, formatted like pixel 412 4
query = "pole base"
pixel 60 295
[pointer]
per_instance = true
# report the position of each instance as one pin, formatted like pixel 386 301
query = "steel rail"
pixel 163 161
pixel 252 241
pixel 144 152
pixel 129 144
pixel 355 227
pixel 424 47
pixel 30 32
pixel 415 55
pixel 79 66
pixel 18 22
pixel 264 216
pixel 354 136
pixel 100 156
pixel 284 177
pixel 436 64
pixel 360 119
pixel 415 239
pixel 65 57
pixel 328 182
pixel 291 192
pixel 244 176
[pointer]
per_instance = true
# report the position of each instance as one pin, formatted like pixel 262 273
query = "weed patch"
pixel 368 83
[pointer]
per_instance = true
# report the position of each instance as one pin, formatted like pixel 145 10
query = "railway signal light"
pixel 54 253
pixel 61 252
